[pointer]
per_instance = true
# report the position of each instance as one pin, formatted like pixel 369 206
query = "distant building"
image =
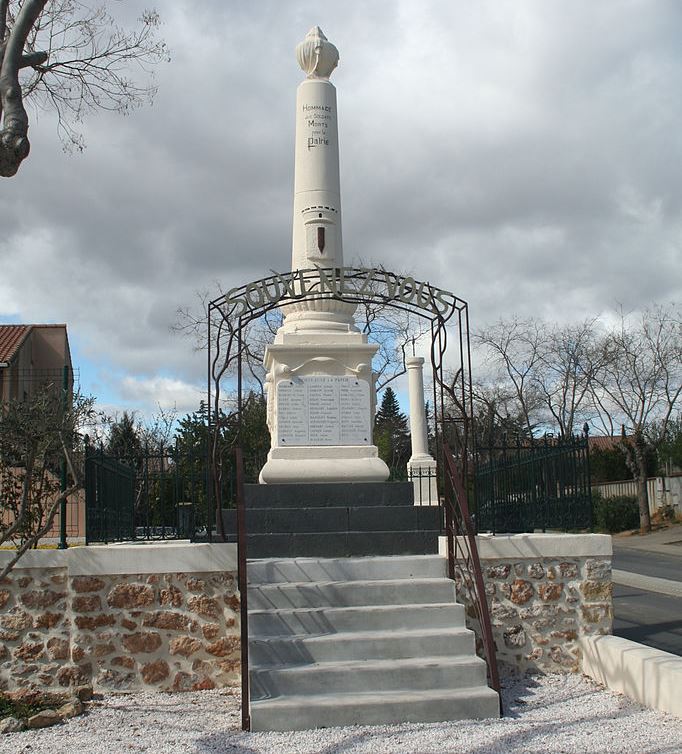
pixel 32 356
pixel 606 442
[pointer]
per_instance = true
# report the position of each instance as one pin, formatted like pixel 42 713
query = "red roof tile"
pixel 11 337
pixel 604 442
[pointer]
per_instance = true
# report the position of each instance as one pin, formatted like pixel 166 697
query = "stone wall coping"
pixel 36 559
pixel 148 558
pixel 511 546
pixel 649 676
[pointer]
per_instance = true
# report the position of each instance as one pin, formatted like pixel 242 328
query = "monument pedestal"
pixel 321 403
pixel 307 464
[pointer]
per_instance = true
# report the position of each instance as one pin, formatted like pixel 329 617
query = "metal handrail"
pixel 462 551
pixel 243 585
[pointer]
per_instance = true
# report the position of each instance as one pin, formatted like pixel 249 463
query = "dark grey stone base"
pixel 335 520
pixel 328 494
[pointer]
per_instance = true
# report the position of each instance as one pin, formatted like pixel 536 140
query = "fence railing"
pixel 243 587
pixel 539 485
pixel 164 493
pixel 109 498
pixel 464 566
pixel 425 484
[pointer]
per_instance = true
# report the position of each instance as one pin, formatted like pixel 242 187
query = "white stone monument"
pixel 320 385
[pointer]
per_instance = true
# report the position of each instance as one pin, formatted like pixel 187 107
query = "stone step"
pixel 318 621
pixel 384 633
pixel 340 544
pixel 317 594
pixel 415 673
pixel 278 570
pixel 371 645
pixel 371 708
pixel 349 494
pixel 365 518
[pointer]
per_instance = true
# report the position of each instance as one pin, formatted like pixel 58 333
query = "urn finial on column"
pixel 316 55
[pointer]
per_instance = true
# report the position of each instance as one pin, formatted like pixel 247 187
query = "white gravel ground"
pixel 544 715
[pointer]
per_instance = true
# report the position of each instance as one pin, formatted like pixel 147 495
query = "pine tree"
pixel 391 435
pixel 124 441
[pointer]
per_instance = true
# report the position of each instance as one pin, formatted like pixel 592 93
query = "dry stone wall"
pixel 544 593
pixel 176 630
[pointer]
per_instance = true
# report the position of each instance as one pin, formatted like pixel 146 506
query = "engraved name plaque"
pixel 323 411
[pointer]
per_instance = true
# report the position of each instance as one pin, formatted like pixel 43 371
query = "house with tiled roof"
pixel 605 442
pixel 32 356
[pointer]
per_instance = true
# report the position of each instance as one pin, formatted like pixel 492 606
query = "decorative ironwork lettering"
pixel 352 283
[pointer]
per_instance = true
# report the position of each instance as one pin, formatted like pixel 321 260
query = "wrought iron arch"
pixel 230 314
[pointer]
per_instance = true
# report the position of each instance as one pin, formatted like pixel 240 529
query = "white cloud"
pixel 163 392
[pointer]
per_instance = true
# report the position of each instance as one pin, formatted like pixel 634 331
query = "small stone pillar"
pixel 421 468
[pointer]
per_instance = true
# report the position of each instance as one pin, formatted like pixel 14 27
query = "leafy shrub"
pixel 614 514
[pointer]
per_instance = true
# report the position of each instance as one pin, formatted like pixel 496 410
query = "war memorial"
pixel 356 602
pixel 334 595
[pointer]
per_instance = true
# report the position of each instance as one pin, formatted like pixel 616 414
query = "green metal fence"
pixel 524 487
pixel 109 498
pixel 158 493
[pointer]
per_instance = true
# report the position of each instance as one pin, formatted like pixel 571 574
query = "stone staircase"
pixel 360 641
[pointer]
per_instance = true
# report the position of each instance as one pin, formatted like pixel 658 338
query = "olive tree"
pixel 36 435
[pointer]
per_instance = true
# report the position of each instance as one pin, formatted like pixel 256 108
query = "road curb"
pixel 648 583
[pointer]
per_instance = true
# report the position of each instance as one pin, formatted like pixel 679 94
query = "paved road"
pixel 648 618
pixel 644 615
pixel 648 563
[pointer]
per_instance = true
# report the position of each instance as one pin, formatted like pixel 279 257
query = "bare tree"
pixel 71 58
pixel 540 372
pixel 639 386
pixel 497 415
pixel 512 351
pixel 570 356
pixel 395 331
pixel 192 323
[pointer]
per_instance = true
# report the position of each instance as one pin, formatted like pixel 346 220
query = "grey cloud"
pixel 526 156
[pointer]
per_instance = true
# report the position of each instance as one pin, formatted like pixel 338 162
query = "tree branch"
pixel 20 519
pixel 4 8
pixel 14 143
pixel 36 536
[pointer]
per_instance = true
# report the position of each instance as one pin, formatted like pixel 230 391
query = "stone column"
pixel 421 468
pixel 316 239
pixel 320 385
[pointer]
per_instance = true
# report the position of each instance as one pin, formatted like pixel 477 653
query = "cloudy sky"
pixel 525 155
